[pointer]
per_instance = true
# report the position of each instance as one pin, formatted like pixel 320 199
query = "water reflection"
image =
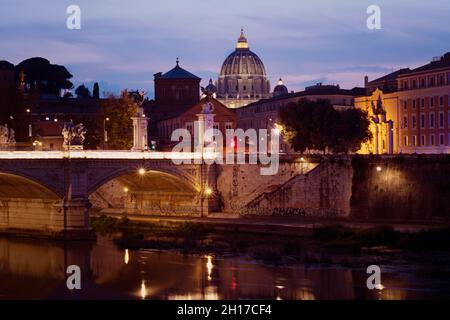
pixel 143 290
pixel 31 269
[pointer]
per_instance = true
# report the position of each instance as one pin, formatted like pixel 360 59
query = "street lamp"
pixel 105 133
pixel 204 194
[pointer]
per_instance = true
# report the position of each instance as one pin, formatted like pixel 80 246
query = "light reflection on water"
pixel 30 269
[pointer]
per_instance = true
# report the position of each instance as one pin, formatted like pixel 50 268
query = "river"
pixel 35 269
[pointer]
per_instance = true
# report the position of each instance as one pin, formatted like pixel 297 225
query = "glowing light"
pixel 379 286
pixel 143 290
pixel 47 118
pixel 379 169
pixel 126 189
pixel 28 110
pixel 233 144
pixel 126 258
pixel 107 119
pixel 141 171
pixel 56 120
pixel 208 191
pixel 209 266
pixel 302 159
pixel 96 154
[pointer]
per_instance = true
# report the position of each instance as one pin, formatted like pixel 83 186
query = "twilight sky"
pixel 122 43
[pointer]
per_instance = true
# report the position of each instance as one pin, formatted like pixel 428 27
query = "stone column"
pixel 140 123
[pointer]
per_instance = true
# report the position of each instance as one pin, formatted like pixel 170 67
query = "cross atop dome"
pixel 242 41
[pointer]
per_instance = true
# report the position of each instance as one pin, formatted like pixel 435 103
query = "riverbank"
pixel 273 225
pixel 313 243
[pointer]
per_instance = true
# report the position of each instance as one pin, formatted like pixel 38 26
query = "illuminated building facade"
pixel 263 114
pixel 419 111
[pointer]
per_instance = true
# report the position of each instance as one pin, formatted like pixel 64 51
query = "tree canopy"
pixel 316 125
pixel 119 111
pixel 46 77
pixel 82 92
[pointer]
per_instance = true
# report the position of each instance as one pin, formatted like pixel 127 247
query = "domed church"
pixel 243 77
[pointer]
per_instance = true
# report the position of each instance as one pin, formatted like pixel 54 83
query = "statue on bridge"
pixel 7 137
pixel 74 136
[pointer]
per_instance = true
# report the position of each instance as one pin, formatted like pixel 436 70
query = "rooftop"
pixel 178 73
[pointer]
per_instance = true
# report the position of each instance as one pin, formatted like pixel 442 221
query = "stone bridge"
pixel 54 192
pixel 51 191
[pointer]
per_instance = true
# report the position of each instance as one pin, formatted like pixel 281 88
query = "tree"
pixel 316 125
pixel 82 92
pixel 15 105
pixel 47 78
pixel 96 91
pixel 119 111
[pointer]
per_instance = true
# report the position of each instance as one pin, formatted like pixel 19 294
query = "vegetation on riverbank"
pixel 316 248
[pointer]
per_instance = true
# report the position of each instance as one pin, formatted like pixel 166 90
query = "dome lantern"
pixel 242 41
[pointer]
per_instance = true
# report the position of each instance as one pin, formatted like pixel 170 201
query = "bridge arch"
pixel 172 173
pixel 154 190
pixel 19 185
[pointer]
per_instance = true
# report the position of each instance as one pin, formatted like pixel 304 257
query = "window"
pixel 414 140
pixel 405 85
pixel 405 141
pixel 414 122
pixel 422 140
pixel 441 120
pixel 405 122
pixel 441 139
pixel 448 78
pixel 422 83
pixel 431 81
pixel 422 103
pixel 431 120
pixel 414 84
pixel 441 101
pixel 431 101
pixel 422 120
pixel 441 80
pixel 414 103
pixel 432 140
pixel 189 127
pixel 228 127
